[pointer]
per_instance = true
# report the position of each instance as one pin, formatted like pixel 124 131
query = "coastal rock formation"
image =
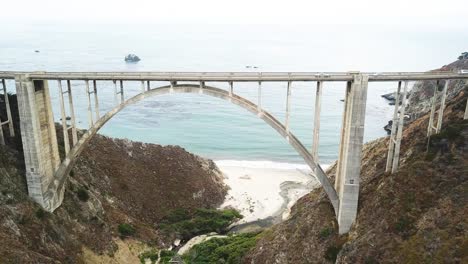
pixel 115 182
pixel 132 58
pixel 417 215
pixel 419 100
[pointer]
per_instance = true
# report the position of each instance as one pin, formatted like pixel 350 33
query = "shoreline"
pixel 264 191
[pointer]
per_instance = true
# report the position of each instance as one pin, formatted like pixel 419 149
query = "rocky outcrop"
pixel 148 180
pixel 113 182
pixel 417 215
pixel 132 58
pixel 419 100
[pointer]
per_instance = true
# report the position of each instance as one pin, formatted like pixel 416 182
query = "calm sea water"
pixel 211 127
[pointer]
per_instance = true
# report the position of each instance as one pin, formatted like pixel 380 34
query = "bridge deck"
pixel 238 76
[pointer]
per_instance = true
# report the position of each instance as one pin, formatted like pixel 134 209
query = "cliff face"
pixel 417 215
pixel 420 96
pixel 114 182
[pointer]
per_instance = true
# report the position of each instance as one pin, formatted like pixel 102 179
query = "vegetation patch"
pixel 166 256
pixel 230 250
pixel 152 255
pixel 332 253
pixel 188 224
pixel 325 232
pixel 126 230
pixel 451 132
pixel 404 225
pixel 82 194
pixel 40 213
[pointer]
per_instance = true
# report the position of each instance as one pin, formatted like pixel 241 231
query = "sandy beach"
pixel 262 189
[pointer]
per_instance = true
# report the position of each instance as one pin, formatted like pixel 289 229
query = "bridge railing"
pixel 240 76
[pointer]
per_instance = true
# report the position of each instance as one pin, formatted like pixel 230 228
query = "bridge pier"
pixel 315 142
pixel 8 110
pixel 442 107
pixel 90 109
pixel 392 140
pixel 72 113
pixel 9 120
pixel 393 155
pixel 96 100
pixel 349 159
pixel 66 140
pixel 40 148
pixel 288 107
pixel 465 117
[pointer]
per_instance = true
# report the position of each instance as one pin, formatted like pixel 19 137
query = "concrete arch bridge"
pixel 47 174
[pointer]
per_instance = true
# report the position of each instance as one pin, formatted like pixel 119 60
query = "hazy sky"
pixel 426 13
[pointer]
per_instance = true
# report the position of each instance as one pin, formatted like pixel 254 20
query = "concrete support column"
pixel 66 141
pixel 202 84
pixel 142 86
pixel 259 104
pixel 391 142
pixel 8 110
pixel 90 109
pixel 2 138
pixel 396 153
pixel 231 88
pixel 122 96
pixel 440 115
pixel 343 135
pixel 288 107
pixel 148 85
pixel 349 161
pixel 466 110
pixel 72 114
pixel 39 140
pixel 172 86
pixel 431 127
pixel 318 103
pixel 115 92
pixel 96 100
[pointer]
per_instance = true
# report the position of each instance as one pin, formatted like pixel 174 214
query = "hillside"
pixel 117 193
pixel 417 215
pixel 419 101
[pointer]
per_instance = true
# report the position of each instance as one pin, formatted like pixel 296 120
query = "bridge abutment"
pixel 349 160
pixel 39 140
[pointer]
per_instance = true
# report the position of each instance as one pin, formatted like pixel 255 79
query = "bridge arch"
pixel 57 186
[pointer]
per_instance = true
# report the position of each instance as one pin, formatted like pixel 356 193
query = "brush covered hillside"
pixel 417 215
pixel 423 91
pixel 117 195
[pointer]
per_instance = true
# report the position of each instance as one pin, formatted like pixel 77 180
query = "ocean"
pixel 211 127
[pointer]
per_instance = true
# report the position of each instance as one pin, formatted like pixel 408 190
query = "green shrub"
pixel 451 132
pixel 40 213
pixel 403 225
pixel 166 256
pixel 229 250
pixel 82 195
pixel 332 253
pixel 126 230
pixel 325 232
pixel 152 255
pixel 187 225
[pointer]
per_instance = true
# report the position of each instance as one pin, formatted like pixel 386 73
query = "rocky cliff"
pixel 114 182
pixel 419 100
pixel 417 215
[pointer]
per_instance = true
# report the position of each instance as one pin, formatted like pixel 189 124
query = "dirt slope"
pixel 114 182
pixel 417 215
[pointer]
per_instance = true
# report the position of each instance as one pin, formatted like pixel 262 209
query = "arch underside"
pixel 60 176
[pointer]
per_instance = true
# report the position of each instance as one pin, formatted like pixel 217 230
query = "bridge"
pixel 47 173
